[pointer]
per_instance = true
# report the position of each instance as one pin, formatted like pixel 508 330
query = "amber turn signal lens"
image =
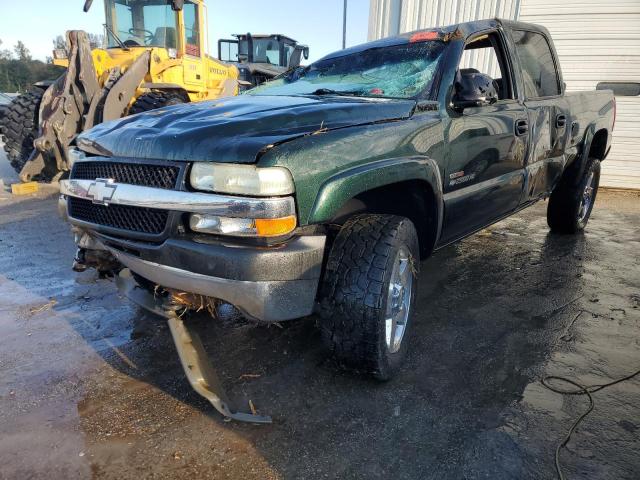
pixel 271 227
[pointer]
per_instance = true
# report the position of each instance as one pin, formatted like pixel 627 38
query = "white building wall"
pixel 596 41
pixel 390 17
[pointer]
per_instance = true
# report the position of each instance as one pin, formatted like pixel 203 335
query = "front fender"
pixel 343 186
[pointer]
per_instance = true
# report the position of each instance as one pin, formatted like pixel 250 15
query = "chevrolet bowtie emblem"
pixel 101 191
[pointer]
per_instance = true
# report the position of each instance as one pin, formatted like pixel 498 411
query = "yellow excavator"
pixel 155 54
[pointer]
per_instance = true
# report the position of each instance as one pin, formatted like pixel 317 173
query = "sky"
pixel 317 24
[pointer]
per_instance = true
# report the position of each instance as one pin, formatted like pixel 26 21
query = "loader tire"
pixel 153 100
pixel 368 292
pixel 19 127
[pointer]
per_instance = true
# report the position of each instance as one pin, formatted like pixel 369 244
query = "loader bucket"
pixel 62 108
pixel 76 102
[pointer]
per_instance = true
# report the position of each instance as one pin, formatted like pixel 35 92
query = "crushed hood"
pixel 233 129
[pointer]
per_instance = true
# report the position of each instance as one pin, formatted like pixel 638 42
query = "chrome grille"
pixel 143 174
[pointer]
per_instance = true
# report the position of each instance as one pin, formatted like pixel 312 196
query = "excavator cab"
pixel 261 57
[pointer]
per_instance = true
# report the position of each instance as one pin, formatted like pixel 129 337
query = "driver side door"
pixel 484 175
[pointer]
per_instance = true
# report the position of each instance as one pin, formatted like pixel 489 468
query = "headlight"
pixel 74 155
pixel 242 227
pixel 241 179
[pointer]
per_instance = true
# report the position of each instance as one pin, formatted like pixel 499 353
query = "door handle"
pixel 561 120
pixel 522 127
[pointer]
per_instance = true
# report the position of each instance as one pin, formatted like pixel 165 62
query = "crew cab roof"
pixel 446 33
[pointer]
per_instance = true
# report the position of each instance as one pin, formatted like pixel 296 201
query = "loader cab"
pixel 141 23
pixel 175 26
pixel 260 58
pixel 275 50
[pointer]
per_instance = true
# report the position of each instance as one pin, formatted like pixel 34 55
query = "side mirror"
pixel 473 89
pixel 305 53
pixel 621 89
pixel 459 104
pixel 177 5
pixel 87 5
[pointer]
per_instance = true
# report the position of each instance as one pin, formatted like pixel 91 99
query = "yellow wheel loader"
pixel 155 54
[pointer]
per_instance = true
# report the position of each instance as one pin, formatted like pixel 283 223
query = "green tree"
pixel 21 51
pixel 4 53
pixel 19 72
pixel 59 42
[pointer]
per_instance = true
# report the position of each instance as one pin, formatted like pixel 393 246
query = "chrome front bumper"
pixel 178 200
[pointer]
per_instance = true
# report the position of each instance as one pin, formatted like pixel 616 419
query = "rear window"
pixel 538 68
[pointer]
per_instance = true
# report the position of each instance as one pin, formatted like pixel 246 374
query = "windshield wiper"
pixel 116 37
pixel 329 91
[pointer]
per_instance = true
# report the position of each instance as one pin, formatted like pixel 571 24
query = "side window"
pixel 228 50
pixel 288 51
pixel 124 22
pixel 483 54
pixel 191 29
pixel 536 61
pixel 266 51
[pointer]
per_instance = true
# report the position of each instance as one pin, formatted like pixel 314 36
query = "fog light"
pixel 242 227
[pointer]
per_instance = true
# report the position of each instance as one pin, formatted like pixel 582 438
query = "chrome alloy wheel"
pixel 587 198
pixel 398 300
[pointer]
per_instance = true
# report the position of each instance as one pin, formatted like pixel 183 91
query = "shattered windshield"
pixel 399 71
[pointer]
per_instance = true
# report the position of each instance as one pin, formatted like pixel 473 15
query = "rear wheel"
pixel 368 292
pixel 570 205
pixel 19 127
pixel 152 100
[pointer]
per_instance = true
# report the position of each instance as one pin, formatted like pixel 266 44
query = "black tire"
pixel 19 127
pixel 354 293
pixel 153 100
pixel 569 211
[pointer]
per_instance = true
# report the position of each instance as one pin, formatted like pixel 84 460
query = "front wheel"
pixel 570 204
pixel 368 293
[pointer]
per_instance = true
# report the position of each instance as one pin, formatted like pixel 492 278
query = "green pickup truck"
pixel 321 191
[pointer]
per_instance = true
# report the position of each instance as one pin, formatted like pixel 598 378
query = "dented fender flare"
pixel 336 191
pixel 583 157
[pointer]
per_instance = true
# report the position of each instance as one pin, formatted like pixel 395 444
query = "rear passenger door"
pixel 548 113
pixel 484 175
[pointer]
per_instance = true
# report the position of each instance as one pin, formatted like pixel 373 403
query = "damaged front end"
pixel 173 249
pixel 172 305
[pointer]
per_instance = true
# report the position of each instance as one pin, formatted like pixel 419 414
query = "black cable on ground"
pixel 581 390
